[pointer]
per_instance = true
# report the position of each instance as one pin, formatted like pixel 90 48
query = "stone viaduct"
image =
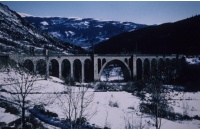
pixel 85 68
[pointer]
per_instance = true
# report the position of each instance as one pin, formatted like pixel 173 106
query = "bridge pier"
pixel 47 68
pixel 134 67
pixel 60 70
pixel 83 74
pixel 34 66
pixel 96 77
pixel 72 70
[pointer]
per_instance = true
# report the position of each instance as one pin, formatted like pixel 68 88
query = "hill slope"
pixel 17 36
pixel 82 32
pixel 182 37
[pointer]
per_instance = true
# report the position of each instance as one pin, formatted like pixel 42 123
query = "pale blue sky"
pixel 146 12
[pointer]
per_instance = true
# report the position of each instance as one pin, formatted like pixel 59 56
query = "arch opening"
pixel 28 64
pixel 54 68
pixel 66 69
pixel 103 61
pixel 87 70
pixel 126 60
pixel 173 71
pixel 167 70
pixel 139 69
pixel 161 69
pixel 41 67
pixel 99 65
pixel 131 66
pixel 115 70
pixel 146 69
pixel 77 70
pixel 154 68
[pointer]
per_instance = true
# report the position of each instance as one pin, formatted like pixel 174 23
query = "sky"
pixel 143 12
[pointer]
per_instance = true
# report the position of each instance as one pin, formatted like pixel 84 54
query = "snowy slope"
pixel 17 36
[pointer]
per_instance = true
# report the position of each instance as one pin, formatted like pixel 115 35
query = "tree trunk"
pixel 23 115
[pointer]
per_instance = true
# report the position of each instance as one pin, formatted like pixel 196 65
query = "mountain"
pixel 18 36
pixel 181 37
pixel 81 32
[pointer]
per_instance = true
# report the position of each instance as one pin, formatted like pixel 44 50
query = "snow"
pixel 115 117
pixel 10 16
pixel 36 34
pixel 2 10
pixel 179 125
pixel 193 60
pixel 186 101
pixel 76 18
pixel 24 14
pixel 44 23
pixel 99 26
pixel 69 33
pixel 56 34
pixel 6 117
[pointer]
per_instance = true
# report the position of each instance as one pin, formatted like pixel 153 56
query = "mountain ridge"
pixel 180 37
pixel 84 32
pixel 18 36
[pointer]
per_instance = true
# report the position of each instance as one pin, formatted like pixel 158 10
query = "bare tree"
pixel 21 86
pixel 76 104
pixel 131 123
pixel 156 103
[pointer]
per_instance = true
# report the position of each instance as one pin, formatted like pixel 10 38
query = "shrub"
pixel 129 87
pixel 186 117
pixel 81 121
pixel 29 121
pixel 167 114
pixel 140 85
pixel 140 95
pixel 196 117
pixel 42 110
pixel 69 80
pixel 113 104
pixel 132 108
pixel 9 108
pixel 103 86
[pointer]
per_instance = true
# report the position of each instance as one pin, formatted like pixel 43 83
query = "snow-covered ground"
pixel 193 60
pixel 116 116
pixel 6 117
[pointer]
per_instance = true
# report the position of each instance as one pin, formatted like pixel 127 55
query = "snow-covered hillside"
pixel 17 36
pixel 81 32
pixel 113 109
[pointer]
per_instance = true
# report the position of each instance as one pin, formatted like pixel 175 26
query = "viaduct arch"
pixel 102 61
pixel 86 68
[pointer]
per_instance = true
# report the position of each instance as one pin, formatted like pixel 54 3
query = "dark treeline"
pixel 180 37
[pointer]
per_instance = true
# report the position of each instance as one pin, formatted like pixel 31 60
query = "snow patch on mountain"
pixel 69 33
pixel 25 14
pixel 56 34
pixel 99 26
pixel 75 18
pixel 44 23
